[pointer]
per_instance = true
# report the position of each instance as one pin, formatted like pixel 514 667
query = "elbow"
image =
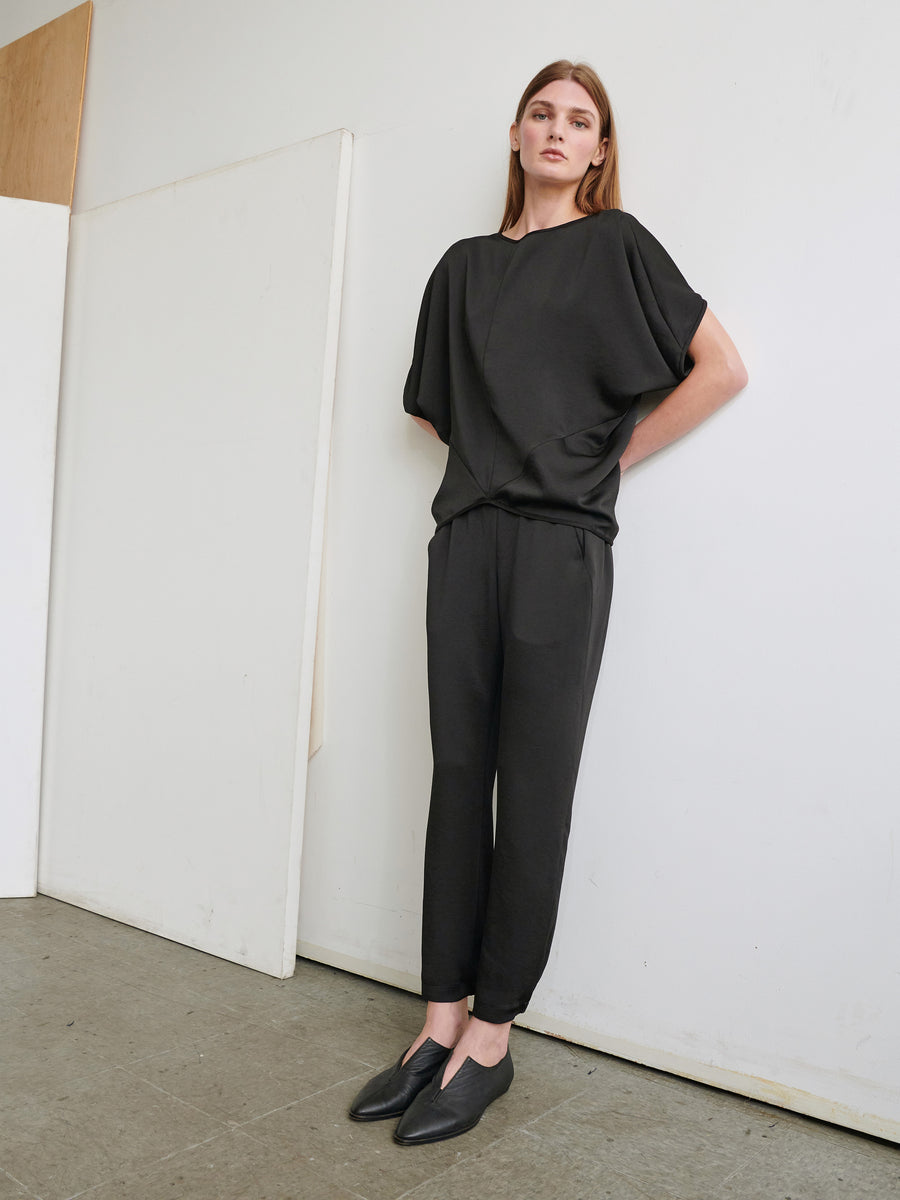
pixel 738 375
pixel 731 372
pixel 725 374
pixel 714 349
pixel 723 368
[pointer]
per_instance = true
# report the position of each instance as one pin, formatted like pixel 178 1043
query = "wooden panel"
pixel 41 91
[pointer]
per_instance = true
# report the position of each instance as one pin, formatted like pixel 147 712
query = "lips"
pixel 556 155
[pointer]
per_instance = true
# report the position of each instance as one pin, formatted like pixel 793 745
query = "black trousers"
pixel 516 619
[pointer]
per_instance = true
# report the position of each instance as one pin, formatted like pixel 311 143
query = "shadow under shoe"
pixel 390 1093
pixel 438 1113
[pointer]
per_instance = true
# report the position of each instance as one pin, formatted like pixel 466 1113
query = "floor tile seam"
pixel 751 1157
pixel 401 1029
pixel 858 1141
pixel 114 984
pixel 31 1195
pixel 106 942
pixel 574 1150
pixel 239 1009
pixel 698 1120
pixel 72 947
pixel 63 943
pixel 242 1125
pixel 10 965
pixel 197 1003
pixel 126 964
pixel 226 1125
pixel 181 995
pixel 290 1155
pixel 54 1087
pixel 133 1062
pixel 12 1008
pixel 553 1108
pixel 324 1042
pixel 50 934
pixel 346 1192
pixel 149 1170
pixel 40 1098
pixel 460 1162
pixel 158 952
pixel 738 1169
pixel 370 1063
pixel 410 1193
pixel 346 991
pixel 639 1182
pixel 231 1122
pixel 16 908
pixel 25 941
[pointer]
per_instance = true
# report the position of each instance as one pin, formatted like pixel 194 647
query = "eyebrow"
pixel 583 112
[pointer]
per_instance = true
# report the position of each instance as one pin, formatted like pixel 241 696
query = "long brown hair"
pixel 599 189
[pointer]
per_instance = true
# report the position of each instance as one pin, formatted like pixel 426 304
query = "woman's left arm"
pixel 717 375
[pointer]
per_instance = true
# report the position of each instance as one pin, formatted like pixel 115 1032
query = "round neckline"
pixel 550 228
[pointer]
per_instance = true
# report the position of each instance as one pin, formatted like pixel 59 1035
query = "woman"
pixel 533 346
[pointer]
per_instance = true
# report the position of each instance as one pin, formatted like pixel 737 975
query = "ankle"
pixel 486 1033
pixel 446 1022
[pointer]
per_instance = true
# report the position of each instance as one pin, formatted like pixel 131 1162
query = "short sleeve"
pixel 672 309
pixel 427 390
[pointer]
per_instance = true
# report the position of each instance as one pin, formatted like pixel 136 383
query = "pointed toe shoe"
pixel 389 1093
pixel 438 1113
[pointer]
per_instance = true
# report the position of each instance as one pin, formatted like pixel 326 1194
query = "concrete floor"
pixel 132 1067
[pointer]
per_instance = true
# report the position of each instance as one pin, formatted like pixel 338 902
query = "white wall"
pixel 732 852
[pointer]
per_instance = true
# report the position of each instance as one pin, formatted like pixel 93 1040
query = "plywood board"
pixel 41 91
pixel 194 437
pixel 33 239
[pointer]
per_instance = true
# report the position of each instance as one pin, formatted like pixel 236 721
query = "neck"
pixel 543 208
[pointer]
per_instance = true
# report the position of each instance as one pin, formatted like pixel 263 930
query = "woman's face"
pixel 558 137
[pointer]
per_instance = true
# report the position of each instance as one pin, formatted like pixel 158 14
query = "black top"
pixel 530 357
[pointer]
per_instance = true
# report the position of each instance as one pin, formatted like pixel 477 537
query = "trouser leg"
pixel 464 664
pixel 555 587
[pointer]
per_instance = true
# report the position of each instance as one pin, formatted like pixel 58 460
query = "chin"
pixel 553 171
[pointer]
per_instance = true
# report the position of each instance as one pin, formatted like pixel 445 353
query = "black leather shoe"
pixel 390 1093
pixel 438 1113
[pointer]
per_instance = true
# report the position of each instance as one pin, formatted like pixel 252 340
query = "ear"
pixel 514 136
pixel 601 153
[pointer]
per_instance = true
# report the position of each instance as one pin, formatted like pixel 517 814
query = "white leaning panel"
pixel 187 548
pixel 33 241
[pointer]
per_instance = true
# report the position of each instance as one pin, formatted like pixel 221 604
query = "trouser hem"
pixel 493 1014
pixel 447 995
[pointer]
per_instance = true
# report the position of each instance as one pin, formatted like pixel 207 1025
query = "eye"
pixel 580 124
pixel 539 116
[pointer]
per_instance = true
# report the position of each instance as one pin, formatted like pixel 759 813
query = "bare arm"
pixel 427 426
pixel 717 375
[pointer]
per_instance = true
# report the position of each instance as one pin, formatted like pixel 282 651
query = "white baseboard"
pixel 751 1086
